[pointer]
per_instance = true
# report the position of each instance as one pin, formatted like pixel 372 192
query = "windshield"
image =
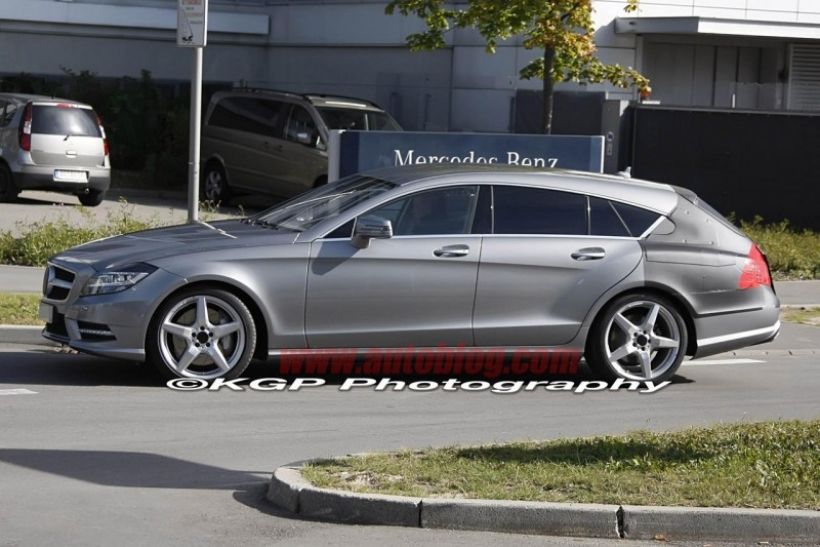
pixel 356 119
pixel 311 208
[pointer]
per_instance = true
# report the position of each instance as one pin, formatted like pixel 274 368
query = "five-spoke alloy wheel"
pixel 638 337
pixel 215 184
pixel 202 333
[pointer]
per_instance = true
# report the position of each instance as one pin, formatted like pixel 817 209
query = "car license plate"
pixel 46 312
pixel 62 175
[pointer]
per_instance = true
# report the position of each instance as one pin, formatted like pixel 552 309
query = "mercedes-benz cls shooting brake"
pixel 635 275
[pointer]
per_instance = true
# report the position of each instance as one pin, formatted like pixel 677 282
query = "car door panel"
pixel 532 292
pixel 395 293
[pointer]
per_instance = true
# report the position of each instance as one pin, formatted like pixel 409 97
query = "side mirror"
pixel 367 228
pixel 303 137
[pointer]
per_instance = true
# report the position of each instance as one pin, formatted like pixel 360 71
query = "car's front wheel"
pixel 637 337
pixel 202 333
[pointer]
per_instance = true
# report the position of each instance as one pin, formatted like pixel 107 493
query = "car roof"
pixel 316 99
pixel 26 97
pixel 656 196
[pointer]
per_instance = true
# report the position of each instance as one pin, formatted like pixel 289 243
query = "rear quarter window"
pixel 637 220
pixel 64 120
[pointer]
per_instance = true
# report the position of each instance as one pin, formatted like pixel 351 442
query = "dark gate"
pixel 748 163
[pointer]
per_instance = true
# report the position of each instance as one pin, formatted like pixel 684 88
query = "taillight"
pixel 756 271
pixel 106 149
pixel 25 129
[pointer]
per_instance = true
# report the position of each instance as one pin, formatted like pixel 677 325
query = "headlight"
pixel 116 281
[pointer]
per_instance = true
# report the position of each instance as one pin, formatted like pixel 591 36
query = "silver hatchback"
pixel 52 144
pixel 632 274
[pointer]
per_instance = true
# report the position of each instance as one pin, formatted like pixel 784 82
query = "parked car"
pixel 275 142
pixel 634 274
pixel 52 144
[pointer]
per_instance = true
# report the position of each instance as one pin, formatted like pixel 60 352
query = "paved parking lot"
pixel 167 208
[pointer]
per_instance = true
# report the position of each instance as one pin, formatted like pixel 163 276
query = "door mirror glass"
pixel 371 227
pixel 303 137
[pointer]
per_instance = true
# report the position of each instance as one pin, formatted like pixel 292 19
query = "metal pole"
pixel 196 125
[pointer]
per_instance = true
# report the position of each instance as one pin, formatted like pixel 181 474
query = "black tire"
pixel 237 350
pixel 608 339
pixel 214 185
pixel 8 189
pixel 92 198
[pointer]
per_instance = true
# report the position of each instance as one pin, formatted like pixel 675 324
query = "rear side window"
pixel 64 120
pixel 636 219
pixel 249 114
pixel 604 220
pixel 521 210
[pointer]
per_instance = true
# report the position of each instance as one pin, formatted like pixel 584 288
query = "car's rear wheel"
pixel 637 337
pixel 8 190
pixel 215 184
pixel 92 198
pixel 202 333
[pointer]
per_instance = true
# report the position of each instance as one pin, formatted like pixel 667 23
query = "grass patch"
pixel 19 309
pixel 805 316
pixel 41 240
pixel 765 465
pixel 792 254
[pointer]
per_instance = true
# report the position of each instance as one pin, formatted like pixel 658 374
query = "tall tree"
pixel 563 29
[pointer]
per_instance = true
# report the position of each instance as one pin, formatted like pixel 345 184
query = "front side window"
pixel 536 211
pixel 301 127
pixel 445 211
pixel 352 119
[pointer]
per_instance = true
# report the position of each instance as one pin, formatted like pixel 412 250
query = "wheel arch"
pixel 259 318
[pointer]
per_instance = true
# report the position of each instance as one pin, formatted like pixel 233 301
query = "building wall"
pixel 352 47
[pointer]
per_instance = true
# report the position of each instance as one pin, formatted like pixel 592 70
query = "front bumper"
pixel 110 325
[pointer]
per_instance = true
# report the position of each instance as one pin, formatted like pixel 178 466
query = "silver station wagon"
pixel 635 275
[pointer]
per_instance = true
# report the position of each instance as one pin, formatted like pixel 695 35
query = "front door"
pixel 415 289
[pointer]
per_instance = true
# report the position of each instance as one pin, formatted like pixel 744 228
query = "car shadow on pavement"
pixel 51 367
pixel 124 469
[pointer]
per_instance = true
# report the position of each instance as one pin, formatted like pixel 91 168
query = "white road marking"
pixel 709 362
pixel 17 392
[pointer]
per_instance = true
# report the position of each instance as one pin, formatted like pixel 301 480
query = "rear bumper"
pixel 722 332
pixel 42 178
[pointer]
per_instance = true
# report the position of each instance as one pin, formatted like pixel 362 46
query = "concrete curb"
pixel 24 334
pixel 290 491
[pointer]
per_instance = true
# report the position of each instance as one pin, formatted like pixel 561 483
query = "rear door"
pixel 545 265
pixel 67 137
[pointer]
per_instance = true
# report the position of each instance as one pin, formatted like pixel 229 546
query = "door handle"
pixel 589 253
pixel 450 251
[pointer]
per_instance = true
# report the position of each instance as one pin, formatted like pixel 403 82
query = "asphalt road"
pixel 99 455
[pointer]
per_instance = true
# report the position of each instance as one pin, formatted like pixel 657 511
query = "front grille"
pixel 58 282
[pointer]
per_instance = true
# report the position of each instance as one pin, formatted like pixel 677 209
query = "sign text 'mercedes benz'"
pixel 357 151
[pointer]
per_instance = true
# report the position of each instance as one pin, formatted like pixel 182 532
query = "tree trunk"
pixel 549 86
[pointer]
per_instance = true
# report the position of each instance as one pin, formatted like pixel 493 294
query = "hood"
pixel 150 245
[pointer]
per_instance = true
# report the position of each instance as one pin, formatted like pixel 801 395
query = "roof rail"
pixel 327 96
pixel 255 89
